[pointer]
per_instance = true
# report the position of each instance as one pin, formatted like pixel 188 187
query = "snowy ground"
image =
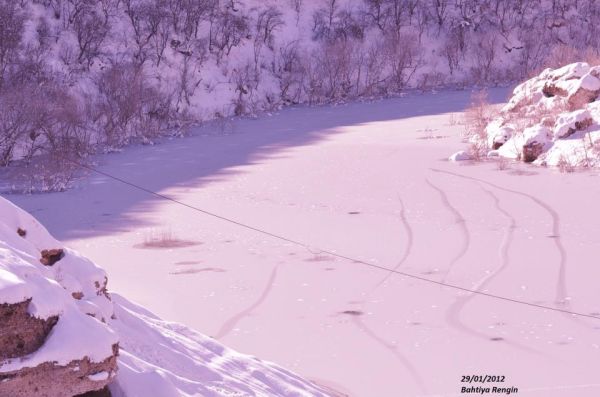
pixel 371 182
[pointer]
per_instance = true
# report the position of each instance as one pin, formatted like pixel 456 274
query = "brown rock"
pixel 578 126
pixel 97 393
pixel 77 295
pixel 531 151
pixel 581 97
pixel 50 380
pixel 21 333
pixel 550 90
pixel 50 257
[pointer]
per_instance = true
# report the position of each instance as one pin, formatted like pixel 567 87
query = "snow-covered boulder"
pixel 460 156
pixel 62 334
pixel 568 123
pixel 498 133
pixel 556 106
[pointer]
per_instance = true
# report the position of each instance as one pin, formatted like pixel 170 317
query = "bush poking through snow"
pixel 477 117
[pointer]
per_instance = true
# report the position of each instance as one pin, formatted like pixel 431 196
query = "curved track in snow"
pixel 406 363
pixel 230 324
pixel 561 284
pixel 460 221
pixel 407 249
pixel 454 312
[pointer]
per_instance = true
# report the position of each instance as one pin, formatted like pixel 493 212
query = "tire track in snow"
pixel 561 284
pixel 392 349
pixel 453 315
pixel 407 249
pixel 460 221
pixel 371 334
pixel 228 325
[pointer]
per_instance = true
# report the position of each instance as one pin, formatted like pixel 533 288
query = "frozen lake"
pixel 370 182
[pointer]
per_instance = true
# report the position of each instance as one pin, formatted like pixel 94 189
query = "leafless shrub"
pixel 591 56
pixel 129 107
pixel 146 19
pixel 453 53
pixel 440 11
pixel 297 7
pixel 47 134
pixel 333 71
pixel 565 165
pixel 484 54
pixel 323 20
pixel 374 70
pixel 502 163
pixel 289 69
pixel 331 23
pixel 90 29
pixel 246 81
pixel 431 80
pixel 189 75
pixel 227 31
pixel 267 22
pixel 561 55
pixel 164 239
pixel 16 122
pixel 477 116
pixel 11 30
pixel 404 56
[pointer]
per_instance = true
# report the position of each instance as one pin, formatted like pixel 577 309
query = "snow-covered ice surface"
pixel 370 181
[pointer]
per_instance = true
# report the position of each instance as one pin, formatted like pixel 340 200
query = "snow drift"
pixel 64 334
pixel 551 119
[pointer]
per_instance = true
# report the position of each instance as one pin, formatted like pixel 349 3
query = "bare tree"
pixel 290 72
pixel 90 29
pixel 267 21
pixel 145 18
pixel 404 56
pixel 11 30
pixel 228 29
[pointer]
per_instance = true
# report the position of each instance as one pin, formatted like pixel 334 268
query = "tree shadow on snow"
pixel 98 205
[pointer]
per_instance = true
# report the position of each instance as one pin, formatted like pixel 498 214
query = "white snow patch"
pixel 460 156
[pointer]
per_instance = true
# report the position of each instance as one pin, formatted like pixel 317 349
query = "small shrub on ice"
pixel 477 117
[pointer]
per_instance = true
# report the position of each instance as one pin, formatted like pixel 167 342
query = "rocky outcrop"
pixel 21 333
pixel 50 257
pixel 105 392
pixel 550 119
pixel 54 305
pixel 50 380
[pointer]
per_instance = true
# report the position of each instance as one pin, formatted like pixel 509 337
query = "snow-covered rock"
pixel 551 119
pixel 49 339
pixel 61 332
pixel 460 156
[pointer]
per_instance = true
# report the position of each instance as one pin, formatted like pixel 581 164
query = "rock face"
pixel 550 118
pixel 21 333
pixel 50 380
